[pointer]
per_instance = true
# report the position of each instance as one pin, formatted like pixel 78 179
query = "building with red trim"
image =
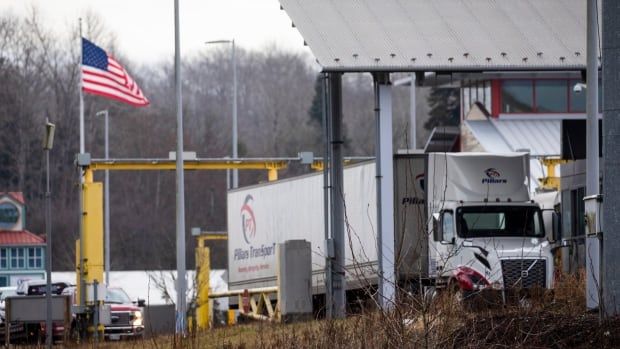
pixel 22 253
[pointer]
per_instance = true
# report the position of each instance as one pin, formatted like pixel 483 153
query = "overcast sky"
pixel 145 28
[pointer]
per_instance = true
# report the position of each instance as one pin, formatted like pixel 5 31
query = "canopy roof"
pixel 442 35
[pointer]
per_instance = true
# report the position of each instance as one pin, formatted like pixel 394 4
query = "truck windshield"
pixel 491 221
pixel 117 296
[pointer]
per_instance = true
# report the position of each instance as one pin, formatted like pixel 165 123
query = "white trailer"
pixel 463 219
pixel 263 215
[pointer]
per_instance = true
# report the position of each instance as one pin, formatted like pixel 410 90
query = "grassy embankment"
pixel 555 319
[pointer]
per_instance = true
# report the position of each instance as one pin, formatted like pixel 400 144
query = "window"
pixel 517 96
pixel 579 225
pixel 476 91
pixel 551 96
pixel 542 96
pixel 4 282
pixel 35 258
pixel 484 220
pixel 436 231
pixel 116 296
pixel 566 214
pixel 577 100
pixel 447 226
pixel 18 260
pixel 489 221
pixel 4 258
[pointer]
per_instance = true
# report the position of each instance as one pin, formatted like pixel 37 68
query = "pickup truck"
pixel 127 321
pixel 126 316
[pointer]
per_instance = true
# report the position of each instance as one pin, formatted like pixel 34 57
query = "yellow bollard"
pixel 232 319
pixel 203 267
pixel 272 175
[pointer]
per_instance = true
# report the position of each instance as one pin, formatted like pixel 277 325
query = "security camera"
pixel 579 87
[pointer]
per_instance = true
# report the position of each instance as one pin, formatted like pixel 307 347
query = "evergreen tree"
pixel 316 108
pixel 445 108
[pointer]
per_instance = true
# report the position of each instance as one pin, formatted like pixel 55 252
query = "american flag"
pixel 102 75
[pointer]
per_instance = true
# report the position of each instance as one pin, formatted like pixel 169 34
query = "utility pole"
pixel 235 152
pixel 48 144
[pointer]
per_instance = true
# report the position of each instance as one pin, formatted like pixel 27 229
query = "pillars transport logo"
pixel 418 193
pixel 493 176
pixel 248 221
pixel 252 253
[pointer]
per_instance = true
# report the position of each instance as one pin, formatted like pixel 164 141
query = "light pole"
pixel 48 143
pixel 181 306
pixel 235 173
pixel 106 186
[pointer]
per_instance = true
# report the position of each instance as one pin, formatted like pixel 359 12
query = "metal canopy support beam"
pixel 611 170
pixel 593 277
pixel 385 190
pixel 413 119
pixel 326 192
pixel 337 197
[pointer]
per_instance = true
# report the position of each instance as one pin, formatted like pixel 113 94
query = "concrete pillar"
pixel 593 278
pixel 385 190
pixel 611 146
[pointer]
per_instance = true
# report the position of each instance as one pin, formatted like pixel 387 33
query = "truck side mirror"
pixel 556 221
pixel 436 228
pixel 448 242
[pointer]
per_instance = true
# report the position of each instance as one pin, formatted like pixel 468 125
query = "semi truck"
pixel 462 220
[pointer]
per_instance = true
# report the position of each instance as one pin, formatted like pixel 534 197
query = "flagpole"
pixel 82 146
pixel 82 285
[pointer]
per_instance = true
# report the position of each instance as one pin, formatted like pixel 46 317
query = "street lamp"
pixel 106 214
pixel 235 173
pixel 48 144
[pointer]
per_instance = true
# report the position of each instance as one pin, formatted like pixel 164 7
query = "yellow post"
pixel 272 174
pixel 203 269
pixel 77 269
pixel 231 317
pixel 551 181
pixel 92 224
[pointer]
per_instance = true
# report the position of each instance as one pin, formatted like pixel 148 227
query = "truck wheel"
pixel 459 297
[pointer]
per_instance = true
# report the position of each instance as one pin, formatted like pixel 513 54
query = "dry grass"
pixel 554 319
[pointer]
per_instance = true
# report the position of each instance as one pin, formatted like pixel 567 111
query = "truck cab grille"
pixel 524 273
pixel 120 319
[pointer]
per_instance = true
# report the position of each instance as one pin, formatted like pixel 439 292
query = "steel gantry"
pixel 271 165
pixel 89 248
